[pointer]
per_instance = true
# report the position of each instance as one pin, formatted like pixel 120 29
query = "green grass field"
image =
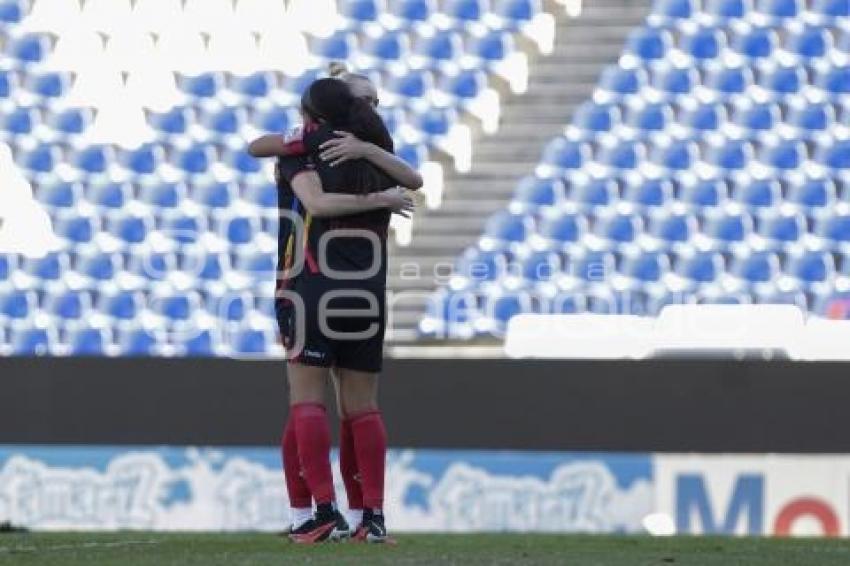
pixel 130 549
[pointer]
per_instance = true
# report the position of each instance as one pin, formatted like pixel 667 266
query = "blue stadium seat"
pixel 201 344
pixel 813 192
pixel 836 155
pixel 31 341
pixel 206 266
pixel 444 46
pixel 129 228
pixel 728 81
pixel 94 159
pixel 674 81
pixel 359 11
pixel 505 306
pixel 781 229
pixel 298 85
pixel 780 9
pixel 594 266
pixel 809 43
pixel 677 156
pixel 466 84
pixel 11 11
pixel 260 193
pixel 258 264
pixel 413 11
pixel 58 194
pixel 706 117
pixel 535 191
pixel 594 192
pixel 649 192
pixel 784 155
pixel 811 118
pixel 143 160
pixel 568 302
pixel 506 228
pixel 52 267
pixel 621 82
pixel 701 266
pixel 388 47
pixel 618 228
pixel 87 341
pixel 225 120
pixel 98 266
pixel 173 121
pixel 254 86
pixel 194 160
pixel 121 305
pixel 414 154
pixel 651 118
pixel 516 12
pixel 71 121
pixel 29 48
pixel 338 46
pixel 625 155
pixel 151 265
pixel 138 342
pixel 728 227
pixel 205 85
pixel 48 85
pixel 670 12
pixel 8 265
pixel 564 228
pixel 728 9
pixel 107 194
pixel 277 119
pixel 75 228
pixel 541 266
pixel 758 193
pixel 731 155
pixel 562 154
pixel 673 228
pixel 833 8
pixel 649 44
pixel 19 121
pixel 158 194
pixel 756 43
pixel 413 84
pixel 183 227
pixel 703 43
pixel 835 229
pixel 811 267
pixel 231 308
pixel 240 161
pixel 8 83
pixel 756 267
pixel 465 11
pixel 596 118
pixel 646 267
pixel 783 80
pixel 40 159
pixel 704 192
pixel 174 306
pixel 492 47
pixel 238 228
pixel 757 118
pixel 251 341
pixel 17 304
pixel 478 265
pixel 213 194
pixel 836 81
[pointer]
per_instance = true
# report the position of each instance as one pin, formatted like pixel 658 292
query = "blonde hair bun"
pixel 337 69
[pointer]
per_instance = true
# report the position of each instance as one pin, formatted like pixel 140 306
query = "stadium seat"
pixel 781 81
pixel 756 43
pixel 756 119
pixel 413 11
pixel 76 228
pixel 201 344
pixel 702 118
pixel 811 118
pixel 48 85
pixel 649 192
pixel 594 266
pixel 254 86
pixel 138 342
pixel 535 191
pixel 87 342
pixel 834 229
pixel 625 155
pixel 649 44
pixel 129 228
pixel 836 81
pixel 728 227
pixel 832 8
pixel 732 155
pixel 780 229
pixel 11 11
pixel 813 192
pixel 728 9
pixel 206 85
pixel 703 43
pixel 836 155
pixel 617 229
pixel 672 229
pixel 28 49
pixel 756 267
pixel 19 121
pixel 727 82
pixel 31 341
pixel 506 228
pixel 59 194
pixel 809 43
pixel 757 193
pixel 71 121
pixel 392 46
pixel 621 82
pixel 562 154
pixel 596 118
pixel 811 267
pixel 594 192
pixel 541 266
pixel 701 193
pixel 121 305
pixel 646 267
pixel 17 304
pixel 671 12
pixel 359 11
pixel 784 155
pixel 563 228
pixel 651 118
pixel 160 195
pixel 109 194
pixel 443 47
pixel 780 9
pixel 677 156
pixel 51 267
pixel 174 121
pixel 701 267
pixel 672 82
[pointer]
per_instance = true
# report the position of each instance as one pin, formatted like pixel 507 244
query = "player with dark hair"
pixel 353 347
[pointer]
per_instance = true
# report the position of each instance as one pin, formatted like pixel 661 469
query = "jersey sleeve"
pixel 293 142
pixel 290 167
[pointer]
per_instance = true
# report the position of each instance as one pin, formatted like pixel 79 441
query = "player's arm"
pixel 308 188
pixel 346 146
pixel 272 145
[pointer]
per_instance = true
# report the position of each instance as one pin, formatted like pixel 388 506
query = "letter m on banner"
pixel 694 504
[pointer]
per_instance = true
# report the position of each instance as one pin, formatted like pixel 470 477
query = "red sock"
pixel 370 444
pixel 348 466
pixel 299 492
pixel 314 448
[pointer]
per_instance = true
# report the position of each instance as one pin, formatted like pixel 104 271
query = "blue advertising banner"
pixel 235 489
